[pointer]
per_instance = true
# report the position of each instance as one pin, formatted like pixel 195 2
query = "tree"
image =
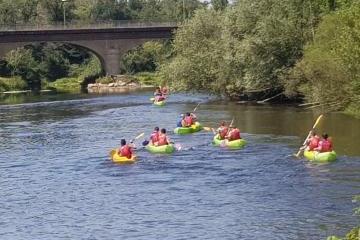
pixel 219 5
pixel 22 63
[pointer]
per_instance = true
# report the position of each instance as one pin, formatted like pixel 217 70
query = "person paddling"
pixel 181 121
pixel 325 145
pixel 222 131
pixel 154 137
pixel 313 141
pixel 158 95
pixel 233 133
pixel 125 150
pixel 188 120
pixel 163 138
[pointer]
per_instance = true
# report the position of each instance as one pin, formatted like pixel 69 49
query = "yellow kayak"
pixel 116 158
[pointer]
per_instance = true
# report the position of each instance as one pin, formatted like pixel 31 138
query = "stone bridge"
pixel 108 42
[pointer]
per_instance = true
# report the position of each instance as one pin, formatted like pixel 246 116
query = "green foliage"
pixel 23 64
pixel 329 72
pixel 149 78
pixel 198 52
pixel 219 5
pixel 247 47
pixel 144 58
pixel 12 84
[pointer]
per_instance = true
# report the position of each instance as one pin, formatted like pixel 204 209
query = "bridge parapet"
pixel 86 25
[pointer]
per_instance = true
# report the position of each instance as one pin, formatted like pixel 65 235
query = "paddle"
pixel 196 107
pixel 301 149
pixel 209 129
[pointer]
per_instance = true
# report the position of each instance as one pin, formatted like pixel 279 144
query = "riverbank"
pixel 121 83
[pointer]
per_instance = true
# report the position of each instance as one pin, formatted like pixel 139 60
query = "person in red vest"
pixel 222 131
pixel 313 141
pixel 125 150
pixel 188 120
pixel 233 134
pixel 163 138
pixel 154 137
pixel 325 145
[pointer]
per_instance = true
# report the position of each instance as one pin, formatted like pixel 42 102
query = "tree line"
pixel 19 12
pixel 298 49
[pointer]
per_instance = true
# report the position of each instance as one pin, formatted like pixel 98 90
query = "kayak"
pixel 235 144
pixel 320 157
pixel 159 103
pixel 160 149
pixel 186 130
pixel 116 158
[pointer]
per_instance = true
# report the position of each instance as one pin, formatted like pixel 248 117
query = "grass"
pixel 12 84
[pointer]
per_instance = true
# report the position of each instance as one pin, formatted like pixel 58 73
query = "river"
pixel 57 182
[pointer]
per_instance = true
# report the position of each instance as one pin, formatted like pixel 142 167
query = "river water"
pixel 57 182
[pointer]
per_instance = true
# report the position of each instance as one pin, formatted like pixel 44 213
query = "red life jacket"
pixel 223 132
pixel 125 151
pixel 314 142
pixel 188 121
pixel 234 134
pixel 154 137
pixel 325 146
pixel 162 140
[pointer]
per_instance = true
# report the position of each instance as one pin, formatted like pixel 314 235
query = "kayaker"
pixel 325 145
pixel 125 150
pixel 163 139
pixel 158 95
pixel 313 141
pixel 164 91
pixel 233 133
pixel 188 120
pixel 154 137
pixel 181 121
pixel 222 130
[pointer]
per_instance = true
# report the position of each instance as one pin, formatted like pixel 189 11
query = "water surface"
pixel 57 182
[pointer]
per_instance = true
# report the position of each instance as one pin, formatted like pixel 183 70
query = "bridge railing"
pixel 86 25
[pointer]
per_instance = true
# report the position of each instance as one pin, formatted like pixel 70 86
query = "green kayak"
pixel 159 103
pixel 186 130
pixel 320 157
pixel 235 144
pixel 161 149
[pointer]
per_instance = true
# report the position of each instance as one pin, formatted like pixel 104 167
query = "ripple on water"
pixel 58 183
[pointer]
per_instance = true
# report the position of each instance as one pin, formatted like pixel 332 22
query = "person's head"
pixel 182 115
pixel 156 129
pixel 157 88
pixel 222 124
pixel 313 133
pixel 187 114
pixel 232 126
pixel 123 142
pixel 325 136
pixel 163 130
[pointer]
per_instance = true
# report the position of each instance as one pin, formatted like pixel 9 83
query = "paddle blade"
pixel 146 142
pixel 177 146
pixel 139 136
pixel 196 107
pixel 317 121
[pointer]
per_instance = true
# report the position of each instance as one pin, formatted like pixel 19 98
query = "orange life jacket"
pixel 162 140
pixel 125 151
pixel 223 132
pixel 154 137
pixel 325 146
pixel 188 121
pixel 234 134
pixel 314 142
